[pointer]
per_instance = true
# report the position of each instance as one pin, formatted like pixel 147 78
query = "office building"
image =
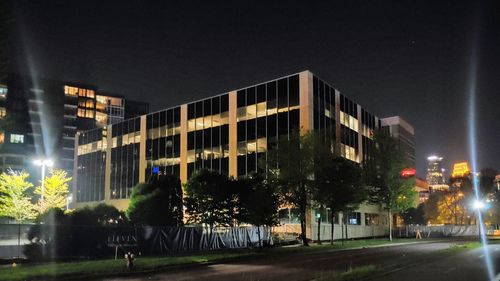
pixel 229 133
pixel 404 133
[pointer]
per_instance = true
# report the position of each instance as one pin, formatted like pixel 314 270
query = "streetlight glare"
pixel 478 205
pixel 44 162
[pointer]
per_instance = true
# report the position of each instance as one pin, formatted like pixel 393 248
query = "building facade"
pixel 404 133
pixel 230 133
pixel 40 118
pixel 435 174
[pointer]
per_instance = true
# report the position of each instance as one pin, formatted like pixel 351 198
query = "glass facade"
pixel 264 113
pixel 124 169
pixel 201 134
pixel 91 165
pixel 324 109
pixel 162 142
pixel 208 135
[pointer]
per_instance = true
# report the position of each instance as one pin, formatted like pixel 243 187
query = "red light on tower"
pixel 408 172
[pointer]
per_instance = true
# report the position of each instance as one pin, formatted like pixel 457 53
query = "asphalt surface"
pixel 403 262
pixel 467 266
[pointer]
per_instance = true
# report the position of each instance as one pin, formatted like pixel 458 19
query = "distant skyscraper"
pixel 435 176
pixel 404 133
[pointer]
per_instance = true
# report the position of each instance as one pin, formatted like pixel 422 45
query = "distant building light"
pixel 434 158
pixel 460 169
pixel 408 172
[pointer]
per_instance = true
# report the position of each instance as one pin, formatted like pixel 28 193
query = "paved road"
pixel 465 266
pixel 306 266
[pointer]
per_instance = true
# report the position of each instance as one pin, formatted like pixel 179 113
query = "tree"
pixel 15 199
pixel 157 202
pixel 487 182
pixel 55 191
pixel 382 174
pixel 210 199
pixel 291 166
pixel 258 202
pixel 339 187
pixel 414 215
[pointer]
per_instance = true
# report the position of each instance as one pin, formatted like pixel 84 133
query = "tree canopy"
pixel 55 193
pixel 339 187
pixel 157 202
pixel 210 199
pixel 15 196
pixel 383 174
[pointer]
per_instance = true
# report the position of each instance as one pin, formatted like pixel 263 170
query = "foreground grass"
pixel 107 267
pixel 89 269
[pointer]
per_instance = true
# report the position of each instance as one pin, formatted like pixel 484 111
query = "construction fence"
pixel 70 241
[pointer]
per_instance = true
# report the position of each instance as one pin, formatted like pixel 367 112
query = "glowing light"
pixel 460 169
pixel 408 172
pixel 478 205
pixel 434 158
pixel 472 85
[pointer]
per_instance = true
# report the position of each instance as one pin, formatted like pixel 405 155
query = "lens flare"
pixel 473 157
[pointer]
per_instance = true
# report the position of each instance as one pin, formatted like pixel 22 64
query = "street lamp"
pixel 69 199
pixel 44 163
pixel 478 205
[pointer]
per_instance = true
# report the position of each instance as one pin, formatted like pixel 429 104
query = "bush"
pixel 81 234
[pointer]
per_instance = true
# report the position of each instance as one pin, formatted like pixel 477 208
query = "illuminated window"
pixel 90 93
pixel 81 112
pixel 2 137
pixel 3 112
pixel 70 91
pixel 89 114
pixel 15 138
pixel 89 104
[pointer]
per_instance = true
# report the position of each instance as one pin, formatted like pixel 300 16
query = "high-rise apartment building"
pixel 41 117
pixel 404 133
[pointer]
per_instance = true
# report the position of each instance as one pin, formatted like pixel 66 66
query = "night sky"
pixel 407 58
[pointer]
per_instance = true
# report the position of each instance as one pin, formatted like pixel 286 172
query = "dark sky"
pixel 408 58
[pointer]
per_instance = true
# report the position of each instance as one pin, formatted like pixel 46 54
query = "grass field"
pixel 83 269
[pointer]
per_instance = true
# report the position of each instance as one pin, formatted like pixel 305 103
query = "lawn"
pixel 89 269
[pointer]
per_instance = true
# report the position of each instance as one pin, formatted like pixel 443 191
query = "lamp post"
pixel 69 199
pixel 43 163
pixel 478 205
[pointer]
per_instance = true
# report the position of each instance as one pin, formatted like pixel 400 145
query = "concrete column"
pixel 184 143
pixel 142 150
pixel 306 102
pixel 233 144
pixel 75 168
pixel 360 136
pixel 107 176
pixel 337 122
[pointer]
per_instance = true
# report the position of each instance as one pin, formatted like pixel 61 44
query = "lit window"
pixel 3 112
pixel 3 92
pixel 89 114
pixel 89 104
pixel 2 137
pixel 15 138
pixel 81 112
pixel 70 91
